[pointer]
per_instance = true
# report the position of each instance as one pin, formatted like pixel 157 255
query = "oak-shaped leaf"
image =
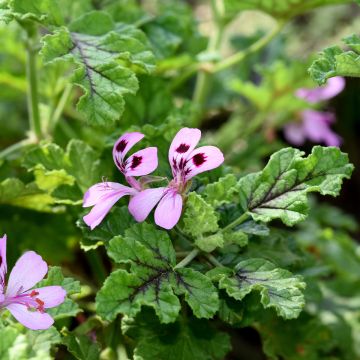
pixel 106 58
pixel 279 191
pixel 333 61
pixel 152 279
pixel 279 288
pixel 183 340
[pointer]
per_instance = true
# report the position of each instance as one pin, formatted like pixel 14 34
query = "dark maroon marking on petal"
pixel 199 159
pixel 1 260
pixel 182 163
pixel 174 164
pixel 136 161
pixel 118 163
pixel 121 146
pixel 182 148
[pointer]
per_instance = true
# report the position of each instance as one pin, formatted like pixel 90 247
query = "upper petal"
pixel 33 320
pixel 101 191
pixel 143 202
pixel 3 264
pixel 168 212
pixel 333 87
pixel 123 145
pixel 51 295
pixel 143 162
pixel 203 159
pixel 182 145
pixel 27 272
pixel 104 205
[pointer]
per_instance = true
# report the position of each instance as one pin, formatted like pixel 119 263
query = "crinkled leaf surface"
pixel 153 279
pixel 278 288
pixel 68 307
pixel 334 61
pixel 222 191
pixel 182 340
pixel 106 56
pixel 281 9
pixel 279 191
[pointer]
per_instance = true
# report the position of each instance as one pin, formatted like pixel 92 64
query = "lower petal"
pixel 101 209
pixel 51 295
pixel 294 134
pixel 33 320
pixel 168 212
pixel 143 202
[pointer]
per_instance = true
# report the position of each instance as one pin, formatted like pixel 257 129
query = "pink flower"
pixel 103 196
pixel 26 304
pixel 185 162
pixel 315 125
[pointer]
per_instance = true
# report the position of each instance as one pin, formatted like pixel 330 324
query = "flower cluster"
pixel 315 125
pixel 185 160
pixel 17 295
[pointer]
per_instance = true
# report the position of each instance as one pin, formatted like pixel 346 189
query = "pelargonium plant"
pixel 153 208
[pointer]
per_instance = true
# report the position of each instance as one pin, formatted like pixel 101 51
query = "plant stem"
pixel 97 266
pixel 236 222
pixel 255 47
pixel 60 107
pixel 15 147
pixel 203 79
pixel 31 72
pixel 213 260
pixel 192 254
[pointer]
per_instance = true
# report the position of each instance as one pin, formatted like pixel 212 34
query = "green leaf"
pixel 334 61
pixel 199 217
pixel 153 279
pixel 25 344
pixel 68 307
pixel 114 224
pixel 81 346
pixel 279 191
pixel 182 340
pixel 280 9
pixel 106 57
pixel 222 191
pixel 14 192
pixel 278 288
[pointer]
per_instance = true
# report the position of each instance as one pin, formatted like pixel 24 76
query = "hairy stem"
pixel 15 148
pixel 255 47
pixel 213 260
pixel 236 222
pixel 97 266
pixel 191 256
pixel 32 91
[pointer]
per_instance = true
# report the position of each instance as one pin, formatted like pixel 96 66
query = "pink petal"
pixel 123 145
pixel 141 163
pixel 27 272
pixel 143 202
pixel 3 264
pixel 101 191
pixel 182 145
pixel 317 127
pixel 203 159
pixel 51 295
pixel 105 203
pixel 333 87
pixel 33 320
pixel 168 212
pixel 294 133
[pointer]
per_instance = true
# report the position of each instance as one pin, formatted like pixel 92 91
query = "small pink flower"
pixel 185 162
pixel 103 196
pixel 315 125
pixel 28 305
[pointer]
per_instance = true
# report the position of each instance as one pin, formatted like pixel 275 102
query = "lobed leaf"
pixel 222 191
pixel 153 279
pixel 106 57
pixel 81 346
pixel 334 61
pixel 279 191
pixel 278 288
